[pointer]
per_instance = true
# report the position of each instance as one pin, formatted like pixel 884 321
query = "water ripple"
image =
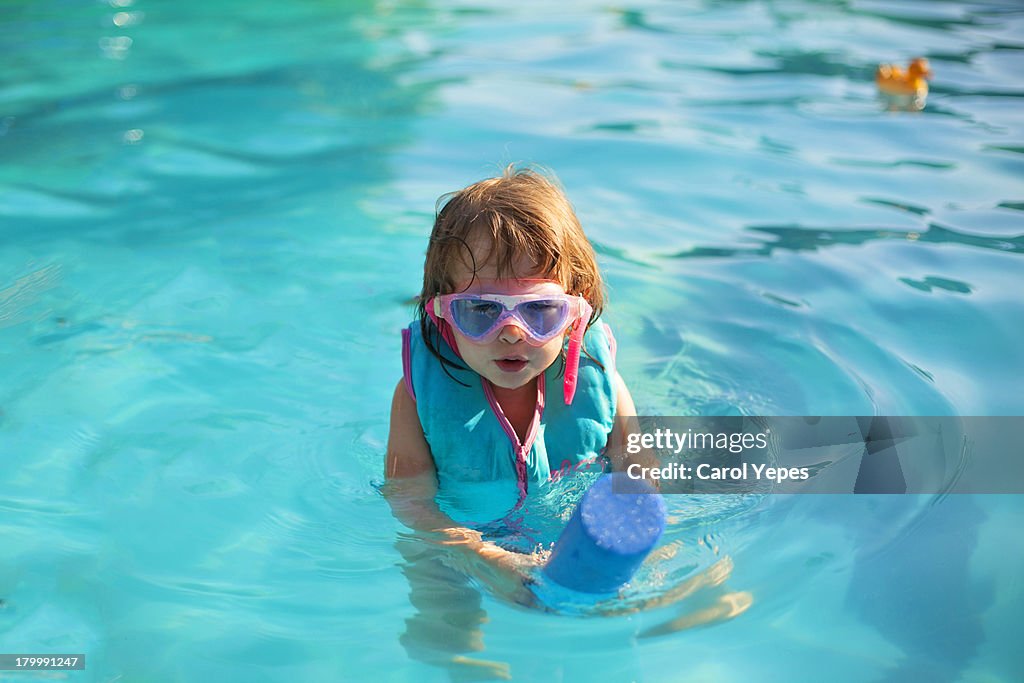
pixel 17 299
pixel 799 238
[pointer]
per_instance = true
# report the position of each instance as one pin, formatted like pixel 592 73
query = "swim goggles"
pixel 480 318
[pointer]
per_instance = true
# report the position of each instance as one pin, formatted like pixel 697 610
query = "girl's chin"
pixel 511 380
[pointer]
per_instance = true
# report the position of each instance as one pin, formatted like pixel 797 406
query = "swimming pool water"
pixel 212 221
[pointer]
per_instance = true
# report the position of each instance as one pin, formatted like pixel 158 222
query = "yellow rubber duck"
pixel 892 80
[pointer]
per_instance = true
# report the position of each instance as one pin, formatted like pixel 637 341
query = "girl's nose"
pixel 511 334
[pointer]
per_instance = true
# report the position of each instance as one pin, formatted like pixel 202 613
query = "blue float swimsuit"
pixel 469 436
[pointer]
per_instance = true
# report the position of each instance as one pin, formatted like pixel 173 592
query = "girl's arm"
pixel 625 424
pixel 408 452
pixel 411 489
pixel 409 469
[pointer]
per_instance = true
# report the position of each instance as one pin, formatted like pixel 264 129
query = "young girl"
pixel 508 375
pixel 509 378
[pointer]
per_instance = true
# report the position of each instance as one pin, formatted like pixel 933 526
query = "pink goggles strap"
pixel 572 353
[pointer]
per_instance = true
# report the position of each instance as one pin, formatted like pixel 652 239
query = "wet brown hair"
pixel 522 212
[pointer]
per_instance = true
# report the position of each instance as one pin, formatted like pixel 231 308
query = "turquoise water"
pixel 213 217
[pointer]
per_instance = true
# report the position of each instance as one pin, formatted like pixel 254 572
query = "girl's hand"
pixel 508 574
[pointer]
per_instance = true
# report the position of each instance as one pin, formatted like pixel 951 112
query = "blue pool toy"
pixel 608 536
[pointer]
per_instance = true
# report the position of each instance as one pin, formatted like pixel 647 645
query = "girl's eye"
pixel 544 316
pixel 488 308
pixel 541 307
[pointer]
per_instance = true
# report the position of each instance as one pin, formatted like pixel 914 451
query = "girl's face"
pixel 508 361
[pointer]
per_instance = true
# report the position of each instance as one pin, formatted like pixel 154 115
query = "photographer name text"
pixel 745 472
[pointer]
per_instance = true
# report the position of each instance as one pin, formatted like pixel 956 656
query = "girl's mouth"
pixel 511 364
